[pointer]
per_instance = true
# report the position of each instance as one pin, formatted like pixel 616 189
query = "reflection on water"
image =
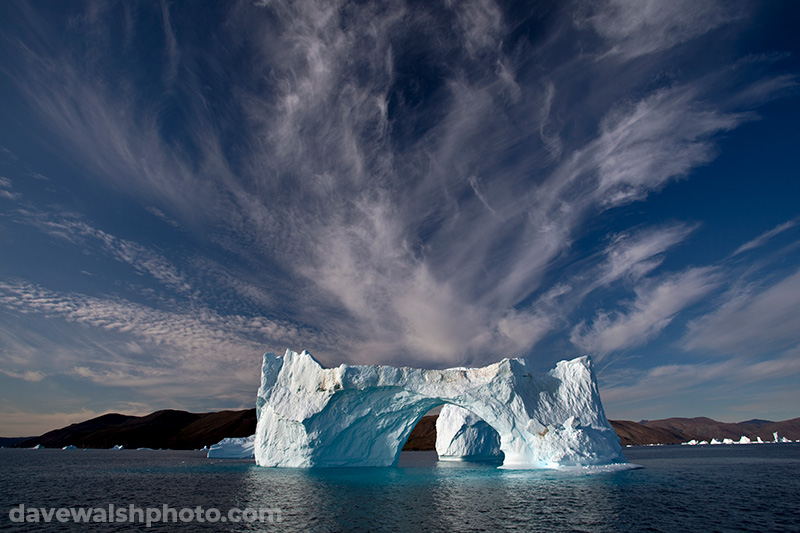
pixel 680 488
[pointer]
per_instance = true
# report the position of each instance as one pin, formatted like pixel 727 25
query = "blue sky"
pixel 185 186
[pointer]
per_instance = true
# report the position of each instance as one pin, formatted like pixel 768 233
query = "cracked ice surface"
pixel 362 415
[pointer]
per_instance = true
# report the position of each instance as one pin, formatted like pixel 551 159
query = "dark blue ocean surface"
pixel 680 488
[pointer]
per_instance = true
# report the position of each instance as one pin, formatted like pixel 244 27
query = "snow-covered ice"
pixel 233 448
pixel 362 415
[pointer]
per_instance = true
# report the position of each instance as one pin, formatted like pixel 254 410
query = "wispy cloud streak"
pixel 765 237
pixel 655 306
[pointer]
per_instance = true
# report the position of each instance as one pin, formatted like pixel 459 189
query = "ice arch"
pixel 460 435
pixel 362 415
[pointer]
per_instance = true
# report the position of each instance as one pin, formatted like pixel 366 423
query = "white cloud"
pixel 482 24
pixel 27 375
pixel 160 214
pixel 73 228
pixel 751 320
pixel 762 239
pixel 661 137
pixel 637 27
pixel 636 254
pixel 739 379
pixel 138 346
pixel 655 306
pixel 5 189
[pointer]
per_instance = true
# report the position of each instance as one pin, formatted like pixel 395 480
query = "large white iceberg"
pixel 233 448
pixel 362 415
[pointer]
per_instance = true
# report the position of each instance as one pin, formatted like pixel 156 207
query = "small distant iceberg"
pixel 118 447
pixel 69 447
pixel 778 439
pixel 38 447
pixel 744 439
pixel 233 448
pixel 145 449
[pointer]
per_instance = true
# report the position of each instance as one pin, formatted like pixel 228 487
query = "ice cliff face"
pixel 362 415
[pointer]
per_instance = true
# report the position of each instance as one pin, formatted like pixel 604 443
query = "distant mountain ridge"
pixel 181 430
pixel 178 430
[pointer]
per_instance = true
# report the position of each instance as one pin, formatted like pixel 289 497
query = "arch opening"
pixel 462 435
pixel 455 434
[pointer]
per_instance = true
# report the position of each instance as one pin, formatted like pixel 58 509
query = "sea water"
pixel 679 488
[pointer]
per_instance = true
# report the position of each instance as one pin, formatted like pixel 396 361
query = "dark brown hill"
pixel 178 430
pixel 634 433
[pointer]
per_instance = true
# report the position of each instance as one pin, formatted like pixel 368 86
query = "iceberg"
pixel 361 415
pixel 69 447
pixel 233 448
